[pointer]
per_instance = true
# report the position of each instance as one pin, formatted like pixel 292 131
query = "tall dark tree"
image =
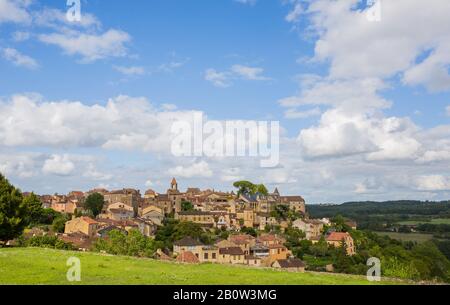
pixel 34 205
pixel 94 203
pixel 14 214
pixel 187 206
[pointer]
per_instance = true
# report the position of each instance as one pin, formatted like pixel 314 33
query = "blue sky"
pixel 363 105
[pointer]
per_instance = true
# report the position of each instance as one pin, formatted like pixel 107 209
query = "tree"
pixel 59 224
pixel 94 203
pixel 14 214
pixel 34 206
pixel 248 188
pixel 244 187
pixel 187 206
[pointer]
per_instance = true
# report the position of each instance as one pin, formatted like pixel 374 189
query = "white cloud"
pixel 90 47
pixel 130 71
pixel 433 183
pixel 18 58
pixel 248 73
pixel 20 165
pixel 14 11
pixel 57 19
pixel 92 173
pixel 124 123
pixel 172 65
pixel 295 114
pixel 218 79
pixel 225 79
pixel 357 47
pixel 249 2
pixel 295 14
pixel 59 165
pixel 20 36
pixel 200 169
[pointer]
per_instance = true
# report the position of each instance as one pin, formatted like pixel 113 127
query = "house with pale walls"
pixel 84 225
pixel 311 227
pixel 339 239
pixel 155 215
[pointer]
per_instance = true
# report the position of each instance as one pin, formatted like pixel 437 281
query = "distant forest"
pixel 381 215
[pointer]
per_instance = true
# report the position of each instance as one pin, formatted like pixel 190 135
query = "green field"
pixel 417 237
pixel 44 266
pixel 435 221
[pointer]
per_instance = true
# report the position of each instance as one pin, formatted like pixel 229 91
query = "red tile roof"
pixel 337 236
pixel 89 220
pixel 188 257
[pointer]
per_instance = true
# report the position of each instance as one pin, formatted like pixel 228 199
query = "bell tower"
pixel 174 185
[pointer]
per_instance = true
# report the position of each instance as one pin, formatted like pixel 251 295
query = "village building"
pixel 311 228
pixel 205 219
pixel 84 225
pixel 244 241
pixel 339 239
pixel 290 264
pixel 232 255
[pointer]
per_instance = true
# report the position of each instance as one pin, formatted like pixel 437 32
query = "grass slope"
pixel 44 266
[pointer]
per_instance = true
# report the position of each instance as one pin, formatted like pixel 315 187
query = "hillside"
pixel 44 266
pixel 369 213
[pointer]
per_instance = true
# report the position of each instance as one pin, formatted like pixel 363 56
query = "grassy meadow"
pixel 45 266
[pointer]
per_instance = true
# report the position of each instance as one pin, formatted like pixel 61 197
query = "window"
pixel 214 255
pixel 206 256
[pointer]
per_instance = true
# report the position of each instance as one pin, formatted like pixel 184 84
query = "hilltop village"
pixel 247 227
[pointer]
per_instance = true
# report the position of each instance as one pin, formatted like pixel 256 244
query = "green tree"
pixel 34 206
pixel 14 214
pixel 248 188
pixel 187 206
pixel 59 224
pixel 94 203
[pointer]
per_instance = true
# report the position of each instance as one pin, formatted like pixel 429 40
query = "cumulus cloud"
pixel 18 58
pixel 359 48
pixel 90 47
pixel 200 169
pixel 433 183
pixel 59 165
pixel 218 79
pixel 124 123
pixel 18 164
pixel 14 11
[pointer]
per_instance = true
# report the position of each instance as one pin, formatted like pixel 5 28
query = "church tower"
pixel 174 185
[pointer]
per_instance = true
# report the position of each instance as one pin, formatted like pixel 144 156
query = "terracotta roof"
pixel 150 192
pixel 291 263
pixel 231 251
pixel 188 257
pixel 89 220
pixel 337 236
pixel 291 198
pixel 187 242
pixel 241 238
